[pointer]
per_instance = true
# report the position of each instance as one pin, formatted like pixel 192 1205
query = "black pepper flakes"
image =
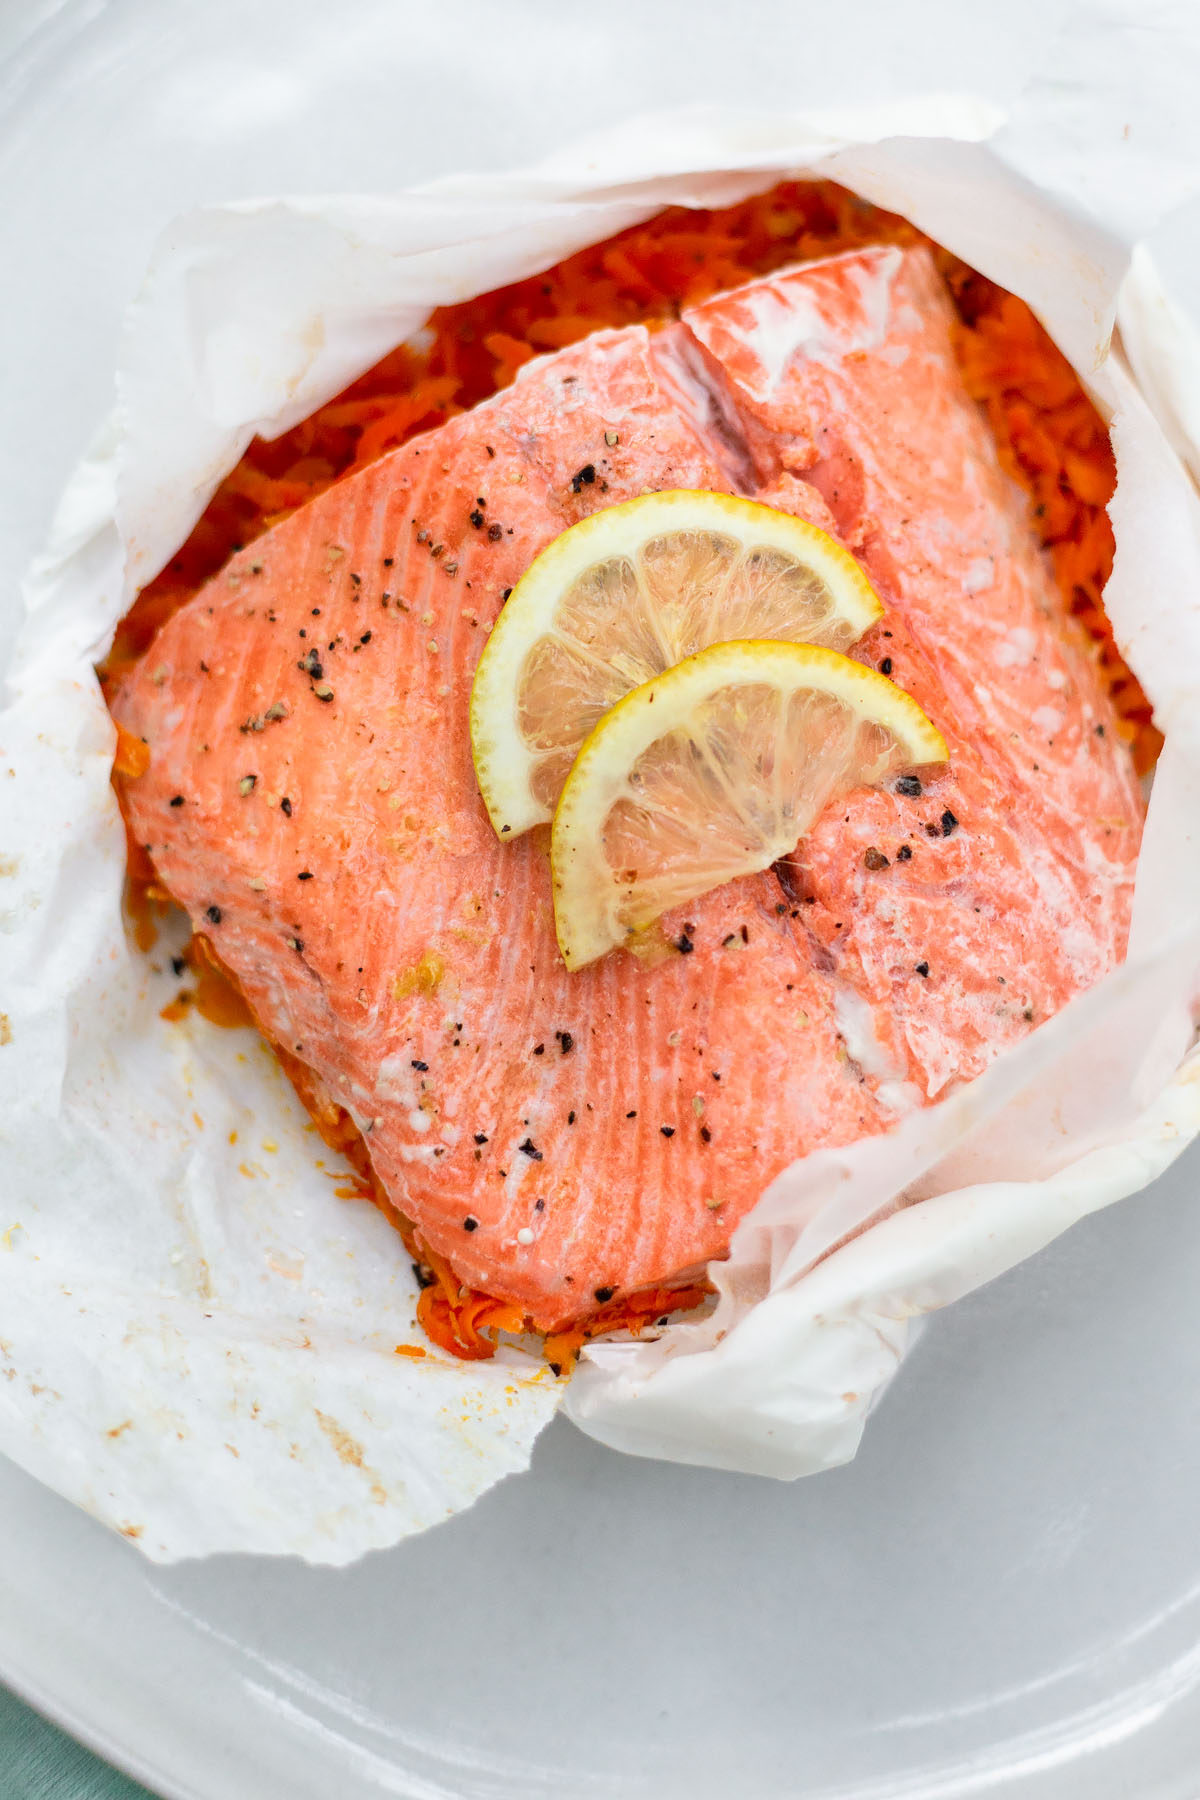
pixel 423 1275
pixel 604 1294
pixel 922 968
pixel 179 964
pixel 668 1131
pixel 584 477
pixel 481 1137
pixel 495 533
pixel 311 665
pixel 539 1049
pixel 305 875
pixel 570 1118
pixel 684 944
pixel 530 1149
pixel 632 1115
pixel 213 914
pixel 705 1135
pixel 476 519
pixel 910 786
pixel 285 807
pixel 885 667
pixel 176 800
pixel 470 1223
pixel 904 853
pixel 423 1067
pixel 875 859
pixel 948 823
pixel 566 1042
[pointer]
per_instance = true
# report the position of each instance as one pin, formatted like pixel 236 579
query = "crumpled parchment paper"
pixel 198 1336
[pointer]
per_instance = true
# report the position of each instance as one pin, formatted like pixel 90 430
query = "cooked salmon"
pixel 310 799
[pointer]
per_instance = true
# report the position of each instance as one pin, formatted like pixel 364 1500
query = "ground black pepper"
pixel 213 914
pixel 530 1149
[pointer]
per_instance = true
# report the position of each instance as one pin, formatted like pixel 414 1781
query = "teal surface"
pixel 37 1762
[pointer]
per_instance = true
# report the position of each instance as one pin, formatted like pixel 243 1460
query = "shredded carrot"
pixel 217 996
pixel 132 756
pixel 1049 436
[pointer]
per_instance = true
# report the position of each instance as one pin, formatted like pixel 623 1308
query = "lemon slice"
pixel 626 593
pixel 716 769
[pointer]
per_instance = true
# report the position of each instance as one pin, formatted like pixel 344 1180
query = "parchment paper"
pixel 198 1337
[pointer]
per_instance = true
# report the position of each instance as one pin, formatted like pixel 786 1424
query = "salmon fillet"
pixel 311 801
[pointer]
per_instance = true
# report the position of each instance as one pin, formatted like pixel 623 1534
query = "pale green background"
pixel 38 1763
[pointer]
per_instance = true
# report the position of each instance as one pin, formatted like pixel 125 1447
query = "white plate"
pixel 1003 1594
